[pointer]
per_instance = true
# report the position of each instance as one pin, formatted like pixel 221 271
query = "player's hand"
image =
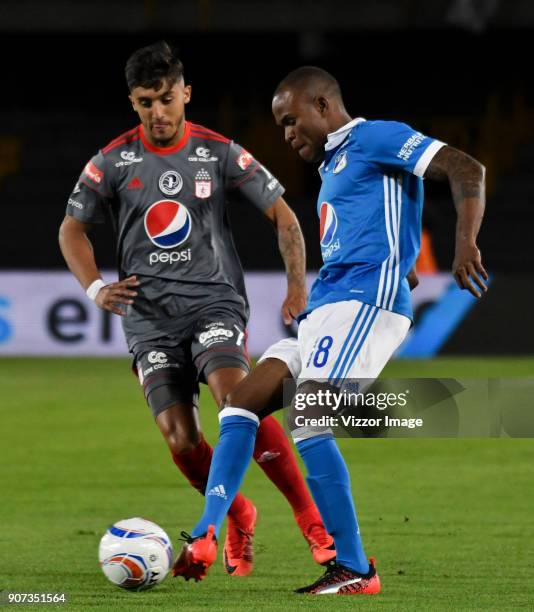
pixel 468 270
pixel 110 296
pixel 294 304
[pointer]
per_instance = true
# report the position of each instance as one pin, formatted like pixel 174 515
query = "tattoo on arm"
pixel 293 251
pixel 467 181
pixel 465 174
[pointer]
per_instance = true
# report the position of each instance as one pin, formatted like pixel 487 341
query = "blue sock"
pixel 231 458
pixel 329 482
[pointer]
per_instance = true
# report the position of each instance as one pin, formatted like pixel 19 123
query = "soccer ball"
pixel 135 554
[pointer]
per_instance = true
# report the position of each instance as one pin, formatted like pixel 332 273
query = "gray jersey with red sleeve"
pixel 168 207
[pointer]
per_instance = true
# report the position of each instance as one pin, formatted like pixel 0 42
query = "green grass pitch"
pixel 449 521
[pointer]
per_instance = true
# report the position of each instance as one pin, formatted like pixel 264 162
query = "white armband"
pixel 94 288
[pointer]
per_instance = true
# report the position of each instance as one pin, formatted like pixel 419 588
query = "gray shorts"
pixel 214 341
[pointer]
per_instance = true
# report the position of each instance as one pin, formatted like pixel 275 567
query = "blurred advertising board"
pixel 47 313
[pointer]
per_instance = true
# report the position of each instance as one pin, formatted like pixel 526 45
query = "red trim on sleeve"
pixel 200 130
pixel 129 136
pixel 207 137
pixel 249 175
pixel 91 187
pixel 166 150
pixel 124 135
pixel 114 145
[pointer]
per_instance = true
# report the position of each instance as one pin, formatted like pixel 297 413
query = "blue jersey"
pixel 370 207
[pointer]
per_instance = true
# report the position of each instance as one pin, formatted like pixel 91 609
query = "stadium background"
pixel 455 69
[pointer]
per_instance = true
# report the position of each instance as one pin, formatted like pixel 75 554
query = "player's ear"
pixel 321 104
pixel 130 97
pixel 187 94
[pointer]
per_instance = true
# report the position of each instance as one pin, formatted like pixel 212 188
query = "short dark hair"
pixel 150 66
pixel 310 77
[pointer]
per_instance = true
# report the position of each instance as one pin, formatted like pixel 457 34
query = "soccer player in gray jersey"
pixel 181 295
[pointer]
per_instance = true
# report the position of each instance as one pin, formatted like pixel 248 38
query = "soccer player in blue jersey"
pixel 359 308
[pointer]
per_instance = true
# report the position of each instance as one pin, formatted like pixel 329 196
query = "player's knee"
pixel 180 443
pixel 243 397
pixel 237 399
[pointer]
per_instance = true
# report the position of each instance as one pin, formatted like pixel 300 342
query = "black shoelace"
pixel 186 537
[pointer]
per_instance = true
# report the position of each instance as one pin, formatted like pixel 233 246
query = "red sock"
pixel 195 466
pixel 274 455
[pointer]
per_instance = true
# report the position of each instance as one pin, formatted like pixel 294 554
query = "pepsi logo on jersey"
pixel 328 225
pixel 328 228
pixel 168 224
pixel 170 257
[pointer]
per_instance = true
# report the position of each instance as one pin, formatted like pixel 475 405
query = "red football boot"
pixel 238 555
pixel 340 580
pixel 197 555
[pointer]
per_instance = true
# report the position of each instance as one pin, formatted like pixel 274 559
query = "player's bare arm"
pixel 78 253
pixel 467 180
pixel 293 251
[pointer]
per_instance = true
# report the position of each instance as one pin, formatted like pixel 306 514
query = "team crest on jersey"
pixel 328 223
pixel 170 182
pixel 203 184
pixel 167 223
pixel 341 162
